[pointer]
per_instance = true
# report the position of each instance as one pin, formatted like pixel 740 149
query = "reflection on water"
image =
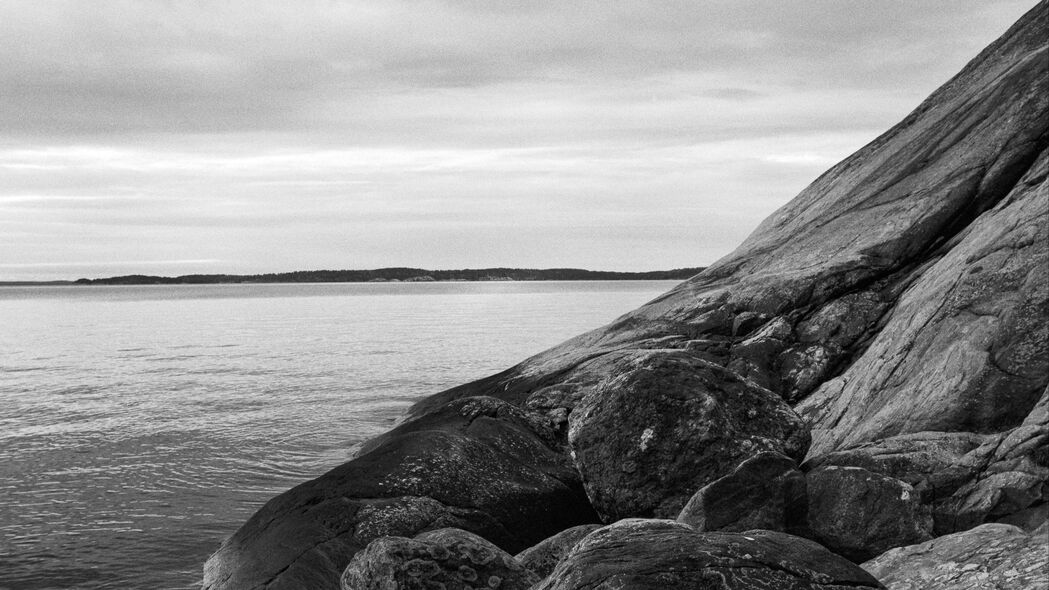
pixel 139 426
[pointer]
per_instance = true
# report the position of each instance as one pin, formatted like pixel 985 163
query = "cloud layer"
pixel 175 137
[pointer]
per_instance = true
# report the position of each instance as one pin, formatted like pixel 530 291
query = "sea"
pixel 141 425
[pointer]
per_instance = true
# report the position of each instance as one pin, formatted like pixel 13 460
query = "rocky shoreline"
pixel 857 397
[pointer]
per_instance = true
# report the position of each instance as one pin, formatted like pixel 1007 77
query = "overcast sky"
pixel 164 137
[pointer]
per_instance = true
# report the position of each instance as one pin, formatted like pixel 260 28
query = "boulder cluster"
pixel 857 397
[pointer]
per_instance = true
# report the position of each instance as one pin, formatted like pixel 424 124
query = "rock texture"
pixel 988 557
pixel 900 303
pixel 965 478
pixel 859 514
pixel 542 558
pixel 664 423
pixel 766 491
pixel 449 559
pixel 638 554
pixel 477 464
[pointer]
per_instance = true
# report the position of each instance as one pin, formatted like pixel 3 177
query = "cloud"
pixel 352 131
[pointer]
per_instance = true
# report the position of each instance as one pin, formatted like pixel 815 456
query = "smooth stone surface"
pixel 859 514
pixel 543 557
pixel 638 554
pixel 665 423
pixel 448 559
pixel 988 557
pixel 766 491
pixel 964 348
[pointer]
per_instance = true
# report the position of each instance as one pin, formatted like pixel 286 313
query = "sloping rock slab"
pixel 638 554
pixel 665 423
pixel 766 491
pixel 965 347
pixel 988 557
pixel 449 559
pixel 478 464
pixel 543 557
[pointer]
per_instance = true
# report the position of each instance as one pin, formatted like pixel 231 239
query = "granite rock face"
pixel 664 423
pixel 988 557
pixel 900 303
pixel 965 478
pixel 766 492
pixel 451 559
pixel 640 554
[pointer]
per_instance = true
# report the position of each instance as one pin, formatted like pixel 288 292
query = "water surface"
pixel 140 425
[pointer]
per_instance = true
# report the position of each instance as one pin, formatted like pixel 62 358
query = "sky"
pixel 168 138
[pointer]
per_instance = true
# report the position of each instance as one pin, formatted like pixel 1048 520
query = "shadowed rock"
pixel 859 514
pixel 449 559
pixel 766 491
pixel 988 557
pixel 965 478
pixel 665 423
pixel 637 554
pixel 478 464
pixel 543 557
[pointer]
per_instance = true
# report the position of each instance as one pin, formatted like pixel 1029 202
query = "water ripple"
pixel 141 426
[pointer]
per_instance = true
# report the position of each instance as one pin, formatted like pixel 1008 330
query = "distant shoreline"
pixel 381 275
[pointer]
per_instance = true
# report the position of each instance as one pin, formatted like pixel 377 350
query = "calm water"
pixel 139 426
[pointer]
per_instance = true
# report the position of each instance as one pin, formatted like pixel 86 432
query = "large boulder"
pixel 766 491
pixel 665 423
pixel 988 557
pixel 544 556
pixel 638 554
pixel 477 464
pixel 859 514
pixel 450 559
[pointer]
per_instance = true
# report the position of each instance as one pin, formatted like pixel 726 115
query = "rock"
pixel 962 350
pixel 637 554
pixel 665 423
pixel 918 265
pixel 966 478
pixel 450 559
pixel 859 514
pixel 542 558
pixel 904 292
pixel 477 464
pixel 766 491
pixel 988 557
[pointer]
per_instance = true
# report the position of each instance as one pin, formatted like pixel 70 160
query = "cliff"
pixel 868 370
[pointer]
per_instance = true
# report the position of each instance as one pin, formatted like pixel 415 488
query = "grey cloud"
pixel 278 135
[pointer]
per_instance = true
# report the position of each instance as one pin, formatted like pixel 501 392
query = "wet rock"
pixel 766 491
pixel 542 558
pixel 477 464
pixel 664 424
pixel 860 514
pixel 988 557
pixel 638 554
pixel 449 559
